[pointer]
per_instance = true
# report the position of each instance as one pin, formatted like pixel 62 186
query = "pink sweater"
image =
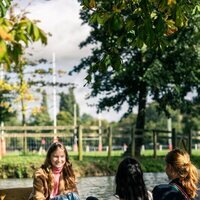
pixel 56 175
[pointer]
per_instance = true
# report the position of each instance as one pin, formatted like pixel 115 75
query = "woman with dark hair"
pixel 55 179
pixel 129 180
pixel 184 178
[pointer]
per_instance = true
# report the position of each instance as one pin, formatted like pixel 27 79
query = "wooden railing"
pixel 79 134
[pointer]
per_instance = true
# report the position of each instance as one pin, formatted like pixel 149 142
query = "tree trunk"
pixel 140 121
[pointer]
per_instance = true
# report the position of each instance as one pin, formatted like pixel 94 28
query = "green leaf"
pixel 3 49
pixel 116 62
pixel 93 18
pixel 4 5
pixel 23 37
pixel 103 18
pixel 43 37
pixel 29 28
pixel 88 78
pixel 129 23
pixel 116 22
pixel 86 3
pixel 160 26
pixel 36 33
pixel 180 17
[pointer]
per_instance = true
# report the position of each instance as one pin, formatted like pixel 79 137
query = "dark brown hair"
pixel 129 181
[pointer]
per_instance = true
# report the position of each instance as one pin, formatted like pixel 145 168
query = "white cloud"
pixel 61 19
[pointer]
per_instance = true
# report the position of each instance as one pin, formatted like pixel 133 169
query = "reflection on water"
pixel 104 187
pixel 100 187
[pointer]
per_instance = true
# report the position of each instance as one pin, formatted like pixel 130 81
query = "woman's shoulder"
pixel 166 192
pixel 41 172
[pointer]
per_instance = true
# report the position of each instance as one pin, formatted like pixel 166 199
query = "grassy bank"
pixel 93 164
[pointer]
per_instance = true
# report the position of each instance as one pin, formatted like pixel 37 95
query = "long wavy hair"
pixel 68 173
pixel 182 168
pixel 129 180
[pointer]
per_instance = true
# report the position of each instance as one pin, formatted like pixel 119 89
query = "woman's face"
pixel 58 158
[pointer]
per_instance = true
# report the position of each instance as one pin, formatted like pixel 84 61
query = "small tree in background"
pixel 40 115
pixel 66 108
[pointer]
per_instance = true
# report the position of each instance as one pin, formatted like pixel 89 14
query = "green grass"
pixel 97 153
pixel 93 164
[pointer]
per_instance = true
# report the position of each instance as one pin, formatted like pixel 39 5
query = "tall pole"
pixel 2 141
pixel 54 97
pixel 75 115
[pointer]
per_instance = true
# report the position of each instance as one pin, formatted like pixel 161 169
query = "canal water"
pixel 100 187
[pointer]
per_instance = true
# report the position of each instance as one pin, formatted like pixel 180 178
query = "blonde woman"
pixel 184 178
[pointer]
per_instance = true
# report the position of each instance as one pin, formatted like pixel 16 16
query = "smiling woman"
pixel 55 179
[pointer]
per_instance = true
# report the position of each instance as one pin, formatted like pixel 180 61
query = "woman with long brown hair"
pixel 55 179
pixel 184 178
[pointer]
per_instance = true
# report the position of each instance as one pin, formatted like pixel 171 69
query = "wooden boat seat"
pixel 15 193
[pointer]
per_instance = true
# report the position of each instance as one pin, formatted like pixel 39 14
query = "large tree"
pixel 141 48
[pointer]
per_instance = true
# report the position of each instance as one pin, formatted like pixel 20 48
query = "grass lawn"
pixel 17 165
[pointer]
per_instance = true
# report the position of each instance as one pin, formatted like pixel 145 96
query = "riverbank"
pixel 93 164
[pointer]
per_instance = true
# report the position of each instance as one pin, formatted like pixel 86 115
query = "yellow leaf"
pixel 5 86
pixel 10 110
pixel 36 110
pixel 2 197
pixel 5 35
pixel 171 2
pixel 3 49
pixel 92 4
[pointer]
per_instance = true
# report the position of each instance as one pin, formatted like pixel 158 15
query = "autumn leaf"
pixel 171 2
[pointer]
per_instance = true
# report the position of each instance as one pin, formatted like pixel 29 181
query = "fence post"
pixel 3 141
pixel 190 142
pixel 174 142
pixel 154 143
pixel 80 143
pixel 132 142
pixel 25 140
pixel 100 136
pixel 109 142
pixel 75 138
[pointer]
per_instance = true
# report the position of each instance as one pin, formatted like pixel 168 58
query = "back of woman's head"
pixel 184 170
pixel 129 181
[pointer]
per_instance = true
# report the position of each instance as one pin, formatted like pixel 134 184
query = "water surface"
pixel 100 187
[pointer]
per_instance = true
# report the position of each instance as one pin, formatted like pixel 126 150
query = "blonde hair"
pixel 184 170
pixel 68 173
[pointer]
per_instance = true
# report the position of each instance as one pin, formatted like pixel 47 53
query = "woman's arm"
pixel 40 187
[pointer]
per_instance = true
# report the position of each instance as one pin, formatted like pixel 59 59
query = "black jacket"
pixel 170 191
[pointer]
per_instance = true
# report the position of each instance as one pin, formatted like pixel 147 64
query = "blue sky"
pixel 61 19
